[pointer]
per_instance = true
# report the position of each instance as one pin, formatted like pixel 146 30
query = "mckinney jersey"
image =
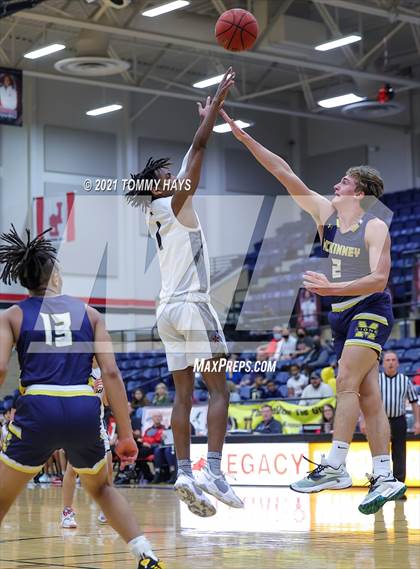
pixel 55 342
pixel 183 255
pixel 346 253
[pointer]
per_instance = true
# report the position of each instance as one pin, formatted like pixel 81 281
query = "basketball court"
pixel 277 529
pixel 92 92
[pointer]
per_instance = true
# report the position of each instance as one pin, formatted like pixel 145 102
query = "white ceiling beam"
pixel 336 32
pixel 184 97
pixel 380 44
pixel 390 15
pixel 280 88
pixel 256 56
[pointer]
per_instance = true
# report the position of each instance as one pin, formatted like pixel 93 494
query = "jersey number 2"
pixel 336 268
pixel 60 324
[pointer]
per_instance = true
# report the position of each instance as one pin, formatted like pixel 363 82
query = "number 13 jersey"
pixel 55 344
pixel 183 255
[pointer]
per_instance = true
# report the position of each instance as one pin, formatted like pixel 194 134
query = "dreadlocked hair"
pixel 30 263
pixel 143 182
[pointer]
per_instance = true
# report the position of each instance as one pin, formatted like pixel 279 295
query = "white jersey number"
pixel 336 268
pixel 60 324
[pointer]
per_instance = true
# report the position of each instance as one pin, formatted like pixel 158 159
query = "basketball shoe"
pixel 217 486
pixel 102 518
pixel 150 563
pixel 68 519
pixel 382 489
pixel 323 477
pixel 189 493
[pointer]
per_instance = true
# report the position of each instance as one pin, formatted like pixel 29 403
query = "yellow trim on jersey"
pixel 20 467
pixel 17 431
pixel 340 306
pixel 364 344
pixel 94 470
pixel 369 316
pixel 60 390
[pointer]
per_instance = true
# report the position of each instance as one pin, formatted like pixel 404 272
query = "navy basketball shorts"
pixel 45 423
pixel 367 322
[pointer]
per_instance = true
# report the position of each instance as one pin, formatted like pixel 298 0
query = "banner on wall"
pixel 291 416
pixel 247 417
pixel 57 213
pixel 10 96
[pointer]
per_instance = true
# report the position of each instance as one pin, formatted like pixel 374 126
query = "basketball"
pixel 236 30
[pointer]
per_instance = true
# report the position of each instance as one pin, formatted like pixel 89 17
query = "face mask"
pixel 276 336
pixel 317 344
pixel 301 335
pixel 285 336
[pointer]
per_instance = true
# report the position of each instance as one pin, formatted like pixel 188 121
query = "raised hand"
pixel 236 131
pixel 203 111
pixel 225 84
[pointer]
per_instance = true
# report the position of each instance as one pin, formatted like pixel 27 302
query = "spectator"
pixel 234 396
pixel 258 389
pixel 296 382
pixel 135 420
pixel 231 373
pixel 268 425
pixel 286 347
pixel 272 390
pixel 267 351
pixel 328 376
pixel 316 389
pixel 304 343
pixel 327 421
pixel 154 437
pixel 308 310
pixel 317 356
pixel 139 399
pixel 161 397
pixel 416 378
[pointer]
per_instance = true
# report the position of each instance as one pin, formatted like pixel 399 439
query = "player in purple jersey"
pixel 356 246
pixel 56 337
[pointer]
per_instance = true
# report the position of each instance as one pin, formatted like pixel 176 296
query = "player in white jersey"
pixel 187 323
pixel 68 516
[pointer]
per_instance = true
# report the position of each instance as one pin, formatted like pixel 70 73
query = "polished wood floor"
pixel 277 528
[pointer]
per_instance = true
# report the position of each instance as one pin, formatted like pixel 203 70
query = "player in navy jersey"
pixel 356 247
pixel 56 337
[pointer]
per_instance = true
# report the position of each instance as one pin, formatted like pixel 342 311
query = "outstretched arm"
pixel 378 243
pixel 191 168
pixel 318 206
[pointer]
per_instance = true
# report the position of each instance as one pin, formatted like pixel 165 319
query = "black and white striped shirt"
pixel 394 391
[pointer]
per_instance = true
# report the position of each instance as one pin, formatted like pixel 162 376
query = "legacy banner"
pixel 291 416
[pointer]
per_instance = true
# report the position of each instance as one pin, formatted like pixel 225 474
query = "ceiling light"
pixel 338 43
pixel 165 8
pixel 208 82
pixel 41 52
pixel 104 110
pixel 224 127
pixel 340 101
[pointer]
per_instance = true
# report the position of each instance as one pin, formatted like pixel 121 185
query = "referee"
pixel 395 389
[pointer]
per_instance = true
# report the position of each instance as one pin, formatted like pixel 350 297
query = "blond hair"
pixel 368 180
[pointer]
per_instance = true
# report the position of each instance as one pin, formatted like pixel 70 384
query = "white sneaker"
pixel 218 487
pixel 323 477
pixel 382 489
pixel 68 520
pixel 188 492
pixel 102 518
pixel 44 479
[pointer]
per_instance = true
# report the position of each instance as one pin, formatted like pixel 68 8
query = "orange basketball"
pixel 236 30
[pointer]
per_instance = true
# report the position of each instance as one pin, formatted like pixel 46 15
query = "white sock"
pixel 381 465
pixel 140 547
pixel 338 454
